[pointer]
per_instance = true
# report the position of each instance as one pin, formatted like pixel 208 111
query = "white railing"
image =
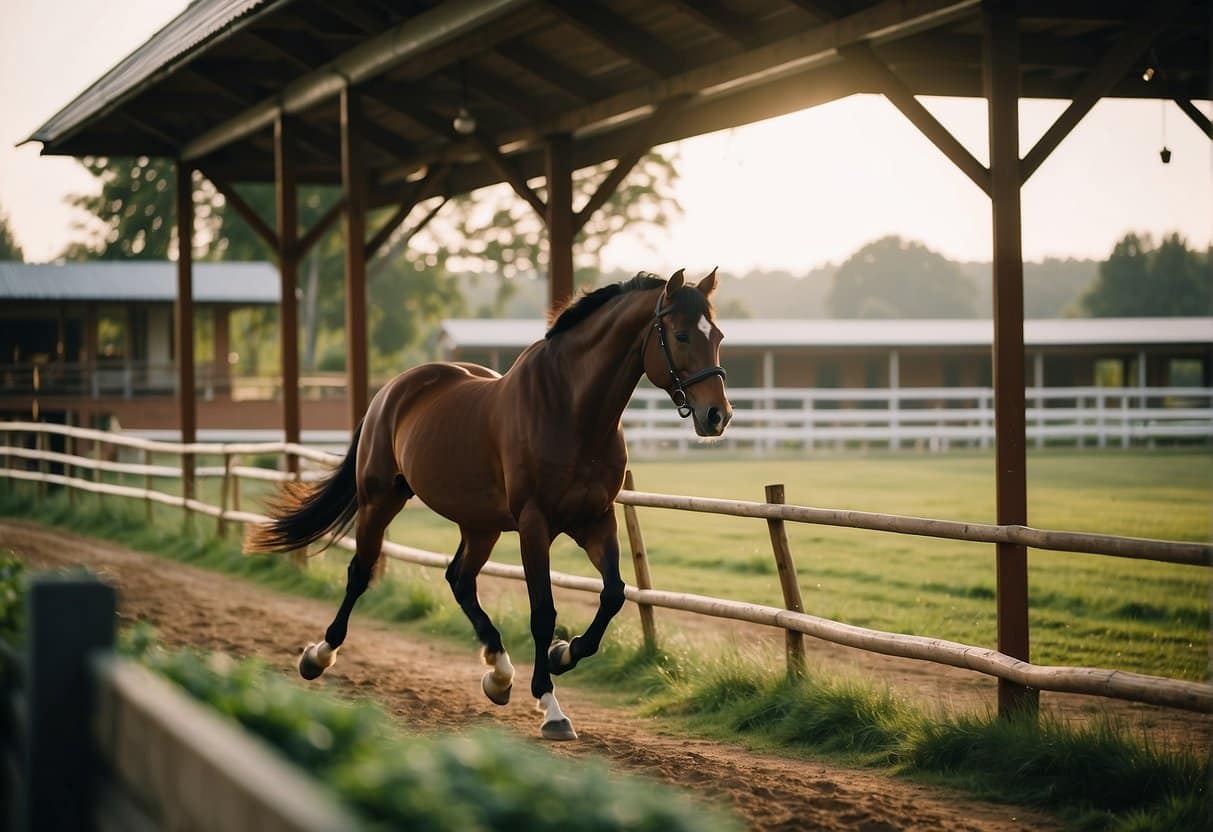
pixel 18 461
pixel 931 418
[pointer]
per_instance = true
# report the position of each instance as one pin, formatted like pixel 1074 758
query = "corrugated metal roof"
pixel 198 23
pixel 472 333
pixel 138 280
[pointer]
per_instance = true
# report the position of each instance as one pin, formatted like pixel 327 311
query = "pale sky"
pixel 792 192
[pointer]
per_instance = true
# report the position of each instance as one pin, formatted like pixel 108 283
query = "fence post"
pixel 187 489
pixel 224 490
pixel 640 563
pixel 794 642
pixel 98 452
pixel 235 495
pixel 68 618
pixel 300 555
pixel 40 443
pixel 147 482
pixel 69 448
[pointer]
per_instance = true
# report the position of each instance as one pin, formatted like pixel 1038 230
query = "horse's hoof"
pixel 312 664
pixel 558 730
pixel 495 694
pixel 559 657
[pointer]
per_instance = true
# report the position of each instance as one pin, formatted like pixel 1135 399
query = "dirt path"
pixel 429 685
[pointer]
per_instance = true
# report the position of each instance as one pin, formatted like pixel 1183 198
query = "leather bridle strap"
pixel 678 385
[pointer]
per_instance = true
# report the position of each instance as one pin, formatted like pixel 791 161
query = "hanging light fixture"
pixel 1165 153
pixel 465 122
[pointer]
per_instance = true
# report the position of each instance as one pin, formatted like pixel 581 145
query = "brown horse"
pixel 538 450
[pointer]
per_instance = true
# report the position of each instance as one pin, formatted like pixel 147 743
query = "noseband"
pixel 678 385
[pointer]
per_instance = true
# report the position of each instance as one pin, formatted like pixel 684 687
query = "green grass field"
pixel 1086 610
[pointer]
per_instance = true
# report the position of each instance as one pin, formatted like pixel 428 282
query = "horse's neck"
pixel 603 359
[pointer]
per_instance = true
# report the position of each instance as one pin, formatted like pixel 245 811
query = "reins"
pixel 678 385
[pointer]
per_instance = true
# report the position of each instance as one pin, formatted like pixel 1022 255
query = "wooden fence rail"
pixel 1196 696
pixel 104 744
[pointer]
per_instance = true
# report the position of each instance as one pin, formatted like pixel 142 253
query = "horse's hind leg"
pixel 374 514
pixel 602 545
pixel 473 553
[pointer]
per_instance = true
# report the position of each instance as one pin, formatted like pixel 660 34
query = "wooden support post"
pixel 147 484
pixel 67 619
pixel 640 563
pixel 788 582
pixel 69 448
pixel 224 490
pixel 235 485
pixel 288 307
pixel 353 179
pixel 559 221
pixel 1001 55
pixel 98 456
pixel 183 323
pixel 222 380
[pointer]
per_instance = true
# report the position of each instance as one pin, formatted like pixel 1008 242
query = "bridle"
pixel 678 385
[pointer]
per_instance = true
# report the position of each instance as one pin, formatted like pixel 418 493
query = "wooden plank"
pixel 1010 430
pixel 640 563
pixel 183 321
pixel 788 582
pixel 286 195
pixel 354 183
pixel 551 72
pixel 152 736
pixel 620 36
pixel 560 222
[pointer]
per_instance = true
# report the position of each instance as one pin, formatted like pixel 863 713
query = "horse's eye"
pixel 682 336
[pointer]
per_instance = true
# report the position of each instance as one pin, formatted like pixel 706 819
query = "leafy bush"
pixel 481 780
pixel 12 577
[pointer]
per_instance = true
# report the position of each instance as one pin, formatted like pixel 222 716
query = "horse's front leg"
pixel 536 541
pixel 602 545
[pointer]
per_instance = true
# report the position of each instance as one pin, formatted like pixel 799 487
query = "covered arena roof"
pixel 476 333
pixel 137 280
pixel 208 86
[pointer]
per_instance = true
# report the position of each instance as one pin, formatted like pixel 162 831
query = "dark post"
pixel 288 307
pixel 353 179
pixel 560 220
pixel 788 582
pixel 1001 52
pixel 223 346
pixel 68 618
pixel 183 323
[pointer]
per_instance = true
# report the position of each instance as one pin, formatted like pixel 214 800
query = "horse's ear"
pixel 708 284
pixel 676 281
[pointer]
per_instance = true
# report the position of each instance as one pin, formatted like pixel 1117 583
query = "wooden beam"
pixel 426 188
pixel 559 222
pixel 626 162
pixel 322 225
pixel 862 58
pixel 823 10
pixel 246 212
pixel 620 36
pixel 354 182
pixel 1198 118
pixel 1001 72
pixel 286 195
pixel 183 322
pixel 493 89
pixel 551 72
pixel 1111 68
pixel 721 19
pixel 510 173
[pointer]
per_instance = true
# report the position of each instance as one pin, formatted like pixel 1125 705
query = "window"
pixel 1109 372
pixel 1185 372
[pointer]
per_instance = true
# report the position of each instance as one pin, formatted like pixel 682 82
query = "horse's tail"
pixel 304 512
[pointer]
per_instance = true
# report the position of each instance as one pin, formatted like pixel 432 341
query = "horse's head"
pixel 684 357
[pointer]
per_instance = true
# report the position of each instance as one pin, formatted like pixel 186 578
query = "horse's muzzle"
pixel 713 420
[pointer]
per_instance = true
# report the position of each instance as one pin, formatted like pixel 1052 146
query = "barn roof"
pixel 138 280
pixel 476 333
pixel 209 85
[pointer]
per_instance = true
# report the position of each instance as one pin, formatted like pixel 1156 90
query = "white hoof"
pixel 556 726
pixel 315 659
pixel 497 683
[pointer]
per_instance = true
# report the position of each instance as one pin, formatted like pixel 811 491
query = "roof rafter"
pixel 551 72
pixel 619 35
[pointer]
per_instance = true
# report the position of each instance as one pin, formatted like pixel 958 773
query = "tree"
pixel 10 249
pixel 131 217
pixel 896 278
pixel 1138 280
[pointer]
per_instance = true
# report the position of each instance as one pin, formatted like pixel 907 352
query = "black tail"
pixel 305 512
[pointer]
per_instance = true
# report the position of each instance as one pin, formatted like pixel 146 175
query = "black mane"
pixel 590 302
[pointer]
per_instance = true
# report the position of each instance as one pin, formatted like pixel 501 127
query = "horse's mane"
pixel 591 301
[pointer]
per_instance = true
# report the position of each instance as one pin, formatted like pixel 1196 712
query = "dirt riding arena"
pixel 430 685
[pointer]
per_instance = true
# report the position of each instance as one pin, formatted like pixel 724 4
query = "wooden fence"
pixel 792 619
pixel 93 741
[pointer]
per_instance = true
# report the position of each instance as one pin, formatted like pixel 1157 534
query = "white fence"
pixel 932 418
